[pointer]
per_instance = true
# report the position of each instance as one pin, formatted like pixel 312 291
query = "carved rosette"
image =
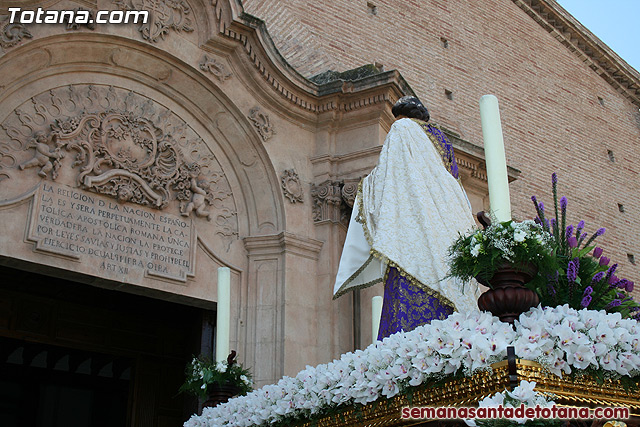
pixel 215 67
pixel 164 15
pixel 12 34
pixel 333 200
pixel 121 144
pixel 262 123
pixel 291 186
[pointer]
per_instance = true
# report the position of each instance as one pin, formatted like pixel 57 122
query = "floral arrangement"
pixel 562 339
pixel 202 374
pixel 582 276
pixel 524 394
pixel 478 254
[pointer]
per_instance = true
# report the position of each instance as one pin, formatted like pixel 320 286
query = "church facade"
pixel 136 159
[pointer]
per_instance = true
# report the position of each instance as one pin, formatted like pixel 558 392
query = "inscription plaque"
pixel 121 239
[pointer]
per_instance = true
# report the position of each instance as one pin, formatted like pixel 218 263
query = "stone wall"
pixel 558 112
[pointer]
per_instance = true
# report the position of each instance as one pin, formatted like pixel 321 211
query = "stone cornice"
pixel 470 157
pixel 283 242
pixel 591 50
pixel 341 95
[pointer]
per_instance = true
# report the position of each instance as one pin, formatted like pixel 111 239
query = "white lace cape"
pixel 408 211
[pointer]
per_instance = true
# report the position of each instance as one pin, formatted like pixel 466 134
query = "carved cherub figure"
pixel 46 156
pixel 197 203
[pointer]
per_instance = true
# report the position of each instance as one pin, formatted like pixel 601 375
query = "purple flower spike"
pixel 610 272
pixel 622 284
pixel 580 227
pixel 597 252
pixel 583 236
pixel 629 286
pixel 588 290
pixel 614 303
pixel 534 199
pixel 585 301
pixel 572 241
pixel 563 203
pixel 600 231
pixel 613 279
pixel 569 231
pixel 554 178
pixel 572 272
pixel 604 261
pixel 597 277
pixel 541 206
pixel 552 222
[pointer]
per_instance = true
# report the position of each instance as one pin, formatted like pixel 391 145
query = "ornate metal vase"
pixel 508 297
pixel 220 394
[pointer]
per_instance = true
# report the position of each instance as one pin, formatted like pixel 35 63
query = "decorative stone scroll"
pixel 164 15
pixel 291 186
pixel 12 34
pixel 262 123
pixel 333 200
pixel 116 239
pixel 215 67
pixel 90 21
pixel 119 144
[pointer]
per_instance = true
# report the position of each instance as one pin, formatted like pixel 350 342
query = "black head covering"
pixel 410 106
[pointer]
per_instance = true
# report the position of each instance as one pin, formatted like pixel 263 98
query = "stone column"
pixel 281 314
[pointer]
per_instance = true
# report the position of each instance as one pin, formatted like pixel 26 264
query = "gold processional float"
pixel 575 391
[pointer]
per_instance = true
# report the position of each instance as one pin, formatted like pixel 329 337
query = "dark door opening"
pixel 74 355
pixel 50 386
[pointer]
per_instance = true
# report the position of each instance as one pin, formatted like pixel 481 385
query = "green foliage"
pixel 202 373
pixel 581 276
pixel 479 254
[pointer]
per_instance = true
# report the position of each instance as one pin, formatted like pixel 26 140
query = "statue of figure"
pixel 197 202
pixel 47 158
pixel 406 214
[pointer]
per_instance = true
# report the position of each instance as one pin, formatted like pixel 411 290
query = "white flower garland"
pixel 522 394
pixel 559 338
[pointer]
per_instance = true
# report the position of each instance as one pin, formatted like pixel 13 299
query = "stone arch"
pixel 151 73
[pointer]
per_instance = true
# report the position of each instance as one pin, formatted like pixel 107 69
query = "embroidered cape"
pixel 408 211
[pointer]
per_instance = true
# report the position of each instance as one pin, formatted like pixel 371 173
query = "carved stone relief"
pixel 120 144
pixel 291 186
pixel 333 200
pixel 215 67
pixel 262 123
pixel 12 34
pixel 90 21
pixel 164 15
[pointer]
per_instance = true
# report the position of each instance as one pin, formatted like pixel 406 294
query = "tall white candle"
pixel 376 313
pixel 495 158
pixel 223 314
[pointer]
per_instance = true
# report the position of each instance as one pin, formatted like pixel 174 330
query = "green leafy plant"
pixel 582 276
pixel 202 374
pixel 480 253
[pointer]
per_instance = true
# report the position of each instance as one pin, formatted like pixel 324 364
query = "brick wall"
pixel 557 113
